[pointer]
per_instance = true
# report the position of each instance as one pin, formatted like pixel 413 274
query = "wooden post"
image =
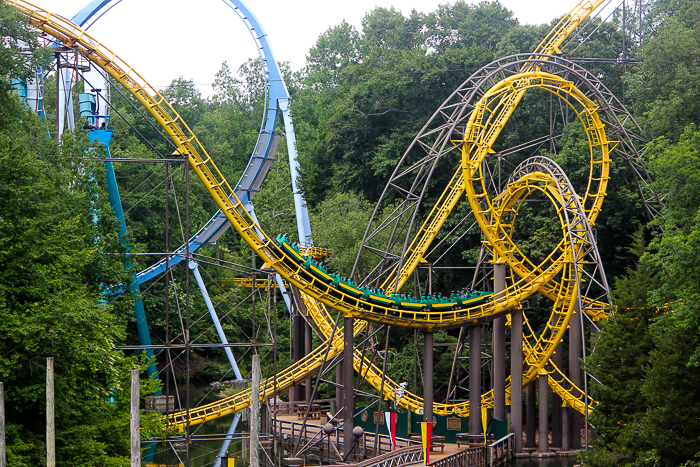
pixel 135 420
pixel 3 462
pixel 50 427
pixel 255 413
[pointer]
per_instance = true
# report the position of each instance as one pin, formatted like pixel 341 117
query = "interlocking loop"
pixel 559 275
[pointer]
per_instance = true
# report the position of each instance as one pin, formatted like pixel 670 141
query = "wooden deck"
pixel 289 428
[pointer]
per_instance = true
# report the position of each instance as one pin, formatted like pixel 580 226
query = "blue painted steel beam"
pixel 105 137
pixel 277 98
pixel 215 318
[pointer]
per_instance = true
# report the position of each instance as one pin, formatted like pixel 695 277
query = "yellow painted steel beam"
pixel 247 282
pixel 217 186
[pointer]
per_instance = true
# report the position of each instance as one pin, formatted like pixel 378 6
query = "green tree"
pixel 620 362
pixel 662 86
pixel 58 252
pixel 21 52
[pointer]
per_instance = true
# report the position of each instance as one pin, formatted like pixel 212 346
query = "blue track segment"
pixel 258 166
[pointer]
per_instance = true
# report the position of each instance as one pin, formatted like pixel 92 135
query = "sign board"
pixel 454 424
pixel 378 418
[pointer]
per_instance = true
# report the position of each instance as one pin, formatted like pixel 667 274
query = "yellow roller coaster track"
pixel 318 294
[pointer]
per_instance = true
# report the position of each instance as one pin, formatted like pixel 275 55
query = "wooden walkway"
pixel 289 428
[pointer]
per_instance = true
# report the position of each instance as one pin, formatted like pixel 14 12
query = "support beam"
pixel 565 429
pixel 558 360
pixel 339 386
pixel 428 376
pixel 298 349
pixel 308 343
pixel 475 380
pixel 135 420
pixel 575 374
pixel 543 390
pixel 516 379
pixel 349 407
pixel 499 347
pixel 531 414
pixel 50 426
pixel 254 422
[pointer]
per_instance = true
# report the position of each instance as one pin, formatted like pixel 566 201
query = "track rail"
pixel 482 131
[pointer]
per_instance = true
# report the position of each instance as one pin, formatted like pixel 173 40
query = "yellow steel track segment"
pixel 448 200
pixel 247 283
pixel 537 356
pixel 483 129
pixel 550 44
pixel 477 146
pixel 188 144
pixel 441 211
pixel 160 109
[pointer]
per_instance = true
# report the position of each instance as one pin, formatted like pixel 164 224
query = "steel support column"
pixel 499 348
pixel 428 376
pixel 298 346
pixel 516 379
pixel 565 429
pixel 349 408
pixel 543 390
pixel 475 380
pixel 308 343
pixel 558 360
pixel 575 375
pixel 531 414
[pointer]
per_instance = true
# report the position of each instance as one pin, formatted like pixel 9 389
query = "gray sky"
pixel 164 39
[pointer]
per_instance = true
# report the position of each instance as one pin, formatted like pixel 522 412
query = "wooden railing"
pixel 501 451
pixel 403 456
pixel 470 457
pixel 289 430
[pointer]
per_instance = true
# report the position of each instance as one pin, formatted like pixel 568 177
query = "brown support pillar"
pixel 565 429
pixel 543 390
pixel 558 360
pixel 575 375
pixel 349 407
pixel 499 348
pixel 516 379
pixel 339 386
pixel 308 341
pixel 428 376
pixel 475 380
pixel 298 349
pixel 531 414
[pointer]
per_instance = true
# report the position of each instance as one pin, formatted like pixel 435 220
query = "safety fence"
pixel 470 457
pixel 290 430
pixel 501 451
pixel 400 457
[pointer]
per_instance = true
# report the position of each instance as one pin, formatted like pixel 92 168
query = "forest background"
pixel 358 103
